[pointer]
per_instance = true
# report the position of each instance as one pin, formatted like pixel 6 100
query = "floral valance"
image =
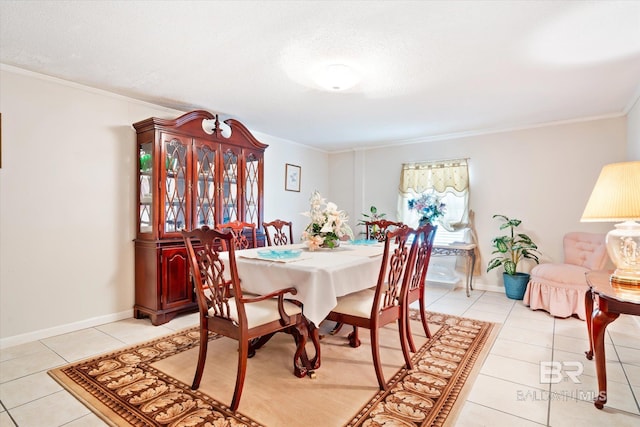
pixel 442 176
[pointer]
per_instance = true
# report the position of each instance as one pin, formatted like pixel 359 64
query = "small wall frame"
pixel 292 177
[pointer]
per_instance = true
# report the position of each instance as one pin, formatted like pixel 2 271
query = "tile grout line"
pixel 615 349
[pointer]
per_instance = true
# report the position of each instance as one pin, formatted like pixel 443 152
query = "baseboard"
pixel 489 288
pixel 477 286
pixel 63 329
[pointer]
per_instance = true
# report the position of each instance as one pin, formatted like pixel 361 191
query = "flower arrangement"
pixel 429 206
pixel 328 224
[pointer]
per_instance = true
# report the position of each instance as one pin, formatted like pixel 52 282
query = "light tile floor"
pixel 508 390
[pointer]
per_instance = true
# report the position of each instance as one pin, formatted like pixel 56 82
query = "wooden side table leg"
pixel 588 308
pixel 600 321
pixel 472 255
pixel 469 273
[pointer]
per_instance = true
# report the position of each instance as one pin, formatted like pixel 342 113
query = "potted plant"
pixel 374 216
pixel 510 249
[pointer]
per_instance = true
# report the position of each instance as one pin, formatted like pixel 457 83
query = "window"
pixel 447 179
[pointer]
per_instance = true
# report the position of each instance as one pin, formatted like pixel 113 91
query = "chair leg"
pixel 425 326
pixel 256 343
pixel 423 316
pixel 375 351
pixel 403 323
pixel 336 328
pixel 409 334
pixel 354 341
pixel 243 352
pixel 202 357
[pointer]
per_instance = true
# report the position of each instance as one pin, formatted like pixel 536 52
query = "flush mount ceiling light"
pixel 337 77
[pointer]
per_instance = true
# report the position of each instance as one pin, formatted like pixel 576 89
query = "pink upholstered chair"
pixel 559 288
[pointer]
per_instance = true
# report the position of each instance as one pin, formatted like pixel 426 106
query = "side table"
pixel 455 249
pixel 605 302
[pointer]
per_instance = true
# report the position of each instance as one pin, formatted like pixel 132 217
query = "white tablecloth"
pixel 320 276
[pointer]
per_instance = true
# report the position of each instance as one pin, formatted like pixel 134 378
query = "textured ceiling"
pixel 428 69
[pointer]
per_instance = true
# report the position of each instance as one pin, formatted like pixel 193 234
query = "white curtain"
pixel 448 179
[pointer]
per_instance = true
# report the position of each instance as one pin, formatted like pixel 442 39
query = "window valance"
pixel 442 176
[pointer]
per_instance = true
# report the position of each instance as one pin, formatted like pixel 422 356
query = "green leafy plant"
pixel 373 215
pixel 512 248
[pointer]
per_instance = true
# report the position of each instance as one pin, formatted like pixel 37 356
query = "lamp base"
pixel 623 246
pixel 624 282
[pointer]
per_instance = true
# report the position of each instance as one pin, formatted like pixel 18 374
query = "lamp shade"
pixel 616 195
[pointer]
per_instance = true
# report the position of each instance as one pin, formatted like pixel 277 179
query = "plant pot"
pixel 515 285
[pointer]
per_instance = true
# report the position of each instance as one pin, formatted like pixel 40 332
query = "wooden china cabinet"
pixel 188 177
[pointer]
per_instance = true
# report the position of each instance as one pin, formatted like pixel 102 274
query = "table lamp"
pixel 616 197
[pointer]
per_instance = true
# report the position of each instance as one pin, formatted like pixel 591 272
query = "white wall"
pixel 67 203
pixel 542 176
pixel 289 205
pixel 633 132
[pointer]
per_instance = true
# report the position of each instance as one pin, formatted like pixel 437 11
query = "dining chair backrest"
pixel 425 236
pixel 396 268
pixel 378 229
pixel 278 232
pixel 213 287
pixel 240 230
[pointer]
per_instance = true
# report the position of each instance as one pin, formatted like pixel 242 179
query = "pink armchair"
pixel 559 288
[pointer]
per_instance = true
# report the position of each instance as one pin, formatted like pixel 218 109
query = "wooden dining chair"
pixel 378 229
pixel 239 230
pixel 374 308
pixel 282 232
pixel 224 309
pixel 425 236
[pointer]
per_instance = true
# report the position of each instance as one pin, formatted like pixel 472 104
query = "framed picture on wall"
pixel 292 177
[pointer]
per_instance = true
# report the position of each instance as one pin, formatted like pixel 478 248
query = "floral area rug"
pixel 136 386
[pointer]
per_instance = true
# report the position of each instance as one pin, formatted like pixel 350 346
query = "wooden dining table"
pixel 319 276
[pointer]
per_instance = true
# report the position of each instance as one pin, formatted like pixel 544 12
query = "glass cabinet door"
pixel 230 186
pixel 251 189
pixel 175 197
pixel 205 181
pixel 145 187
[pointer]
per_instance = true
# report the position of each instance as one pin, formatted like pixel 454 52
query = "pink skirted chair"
pixel 560 288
